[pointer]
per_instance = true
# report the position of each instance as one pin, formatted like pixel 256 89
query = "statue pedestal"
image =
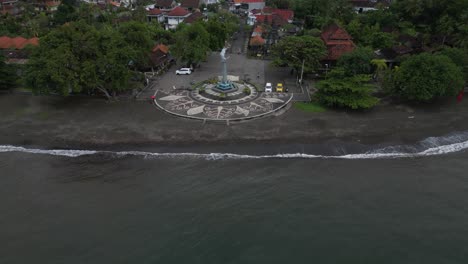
pixel 225 86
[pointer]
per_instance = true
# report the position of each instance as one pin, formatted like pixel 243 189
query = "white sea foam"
pixel 388 152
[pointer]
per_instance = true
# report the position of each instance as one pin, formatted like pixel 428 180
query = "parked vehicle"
pixel 268 88
pixel 279 88
pixel 183 71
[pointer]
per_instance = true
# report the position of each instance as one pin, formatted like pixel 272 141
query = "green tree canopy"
pixel 459 57
pixel 140 36
pixel 357 62
pixel 296 50
pixel 7 75
pixel 77 58
pixel 349 92
pixel 191 43
pixel 425 77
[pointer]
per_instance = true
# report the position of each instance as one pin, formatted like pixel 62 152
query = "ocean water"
pixel 390 204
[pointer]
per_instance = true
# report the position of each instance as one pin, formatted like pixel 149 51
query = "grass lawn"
pixel 311 107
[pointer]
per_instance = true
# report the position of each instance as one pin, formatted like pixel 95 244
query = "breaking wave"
pixel 428 147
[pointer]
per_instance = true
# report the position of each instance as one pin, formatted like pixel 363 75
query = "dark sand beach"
pixel 54 122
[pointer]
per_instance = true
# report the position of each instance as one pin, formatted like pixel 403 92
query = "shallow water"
pixel 111 208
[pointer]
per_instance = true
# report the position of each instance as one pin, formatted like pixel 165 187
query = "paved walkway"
pixel 184 103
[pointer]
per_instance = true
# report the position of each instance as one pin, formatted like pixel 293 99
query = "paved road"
pixel 256 71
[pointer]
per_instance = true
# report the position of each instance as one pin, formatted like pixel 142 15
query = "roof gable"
pixel 155 12
pixel 178 12
pixel 334 32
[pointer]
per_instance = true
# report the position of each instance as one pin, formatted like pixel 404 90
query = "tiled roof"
pixel 190 3
pixel 337 40
pixel 161 47
pixel 257 41
pixel 193 17
pixel 155 12
pixel 178 11
pixel 336 51
pixel 17 43
pixel 334 32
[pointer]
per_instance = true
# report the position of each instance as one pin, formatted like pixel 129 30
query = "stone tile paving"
pixel 182 103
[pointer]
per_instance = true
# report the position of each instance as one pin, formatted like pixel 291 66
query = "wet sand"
pixel 80 122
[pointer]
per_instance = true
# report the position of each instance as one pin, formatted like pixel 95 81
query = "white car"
pixel 183 71
pixel 268 88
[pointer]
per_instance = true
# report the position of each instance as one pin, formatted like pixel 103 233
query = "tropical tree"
pixel 357 62
pixel 298 51
pixel 140 37
pixel 66 12
pixel 77 58
pixel 380 65
pixel 426 77
pixel 7 75
pixel 349 92
pixel 191 43
pixel 459 57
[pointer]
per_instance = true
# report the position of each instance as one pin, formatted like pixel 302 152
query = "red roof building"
pixel 159 56
pixel 337 41
pixel 17 43
pixel 178 12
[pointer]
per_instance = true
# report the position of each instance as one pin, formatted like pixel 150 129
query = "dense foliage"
pixel 78 57
pixel 425 77
pixel 357 62
pixel 7 75
pixel 349 92
pixel 296 50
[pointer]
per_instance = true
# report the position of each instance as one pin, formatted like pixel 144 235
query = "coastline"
pixel 89 123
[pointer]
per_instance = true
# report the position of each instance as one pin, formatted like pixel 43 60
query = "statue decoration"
pixel 224 84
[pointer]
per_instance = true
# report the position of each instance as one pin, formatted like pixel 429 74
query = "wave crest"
pixel 429 147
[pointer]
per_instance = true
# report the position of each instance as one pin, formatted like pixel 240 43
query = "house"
pixel 190 4
pixel 159 57
pixel 271 16
pixel 248 5
pixel 175 17
pixel 14 48
pixel 9 7
pixel 115 3
pixel 46 5
pixel 368 5
pixel 337 41
pixel 155 14
pixel 165 4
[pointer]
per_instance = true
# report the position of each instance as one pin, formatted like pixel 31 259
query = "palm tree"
pixel 380 66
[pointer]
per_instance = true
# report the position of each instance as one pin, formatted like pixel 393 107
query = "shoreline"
pixel 87 123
